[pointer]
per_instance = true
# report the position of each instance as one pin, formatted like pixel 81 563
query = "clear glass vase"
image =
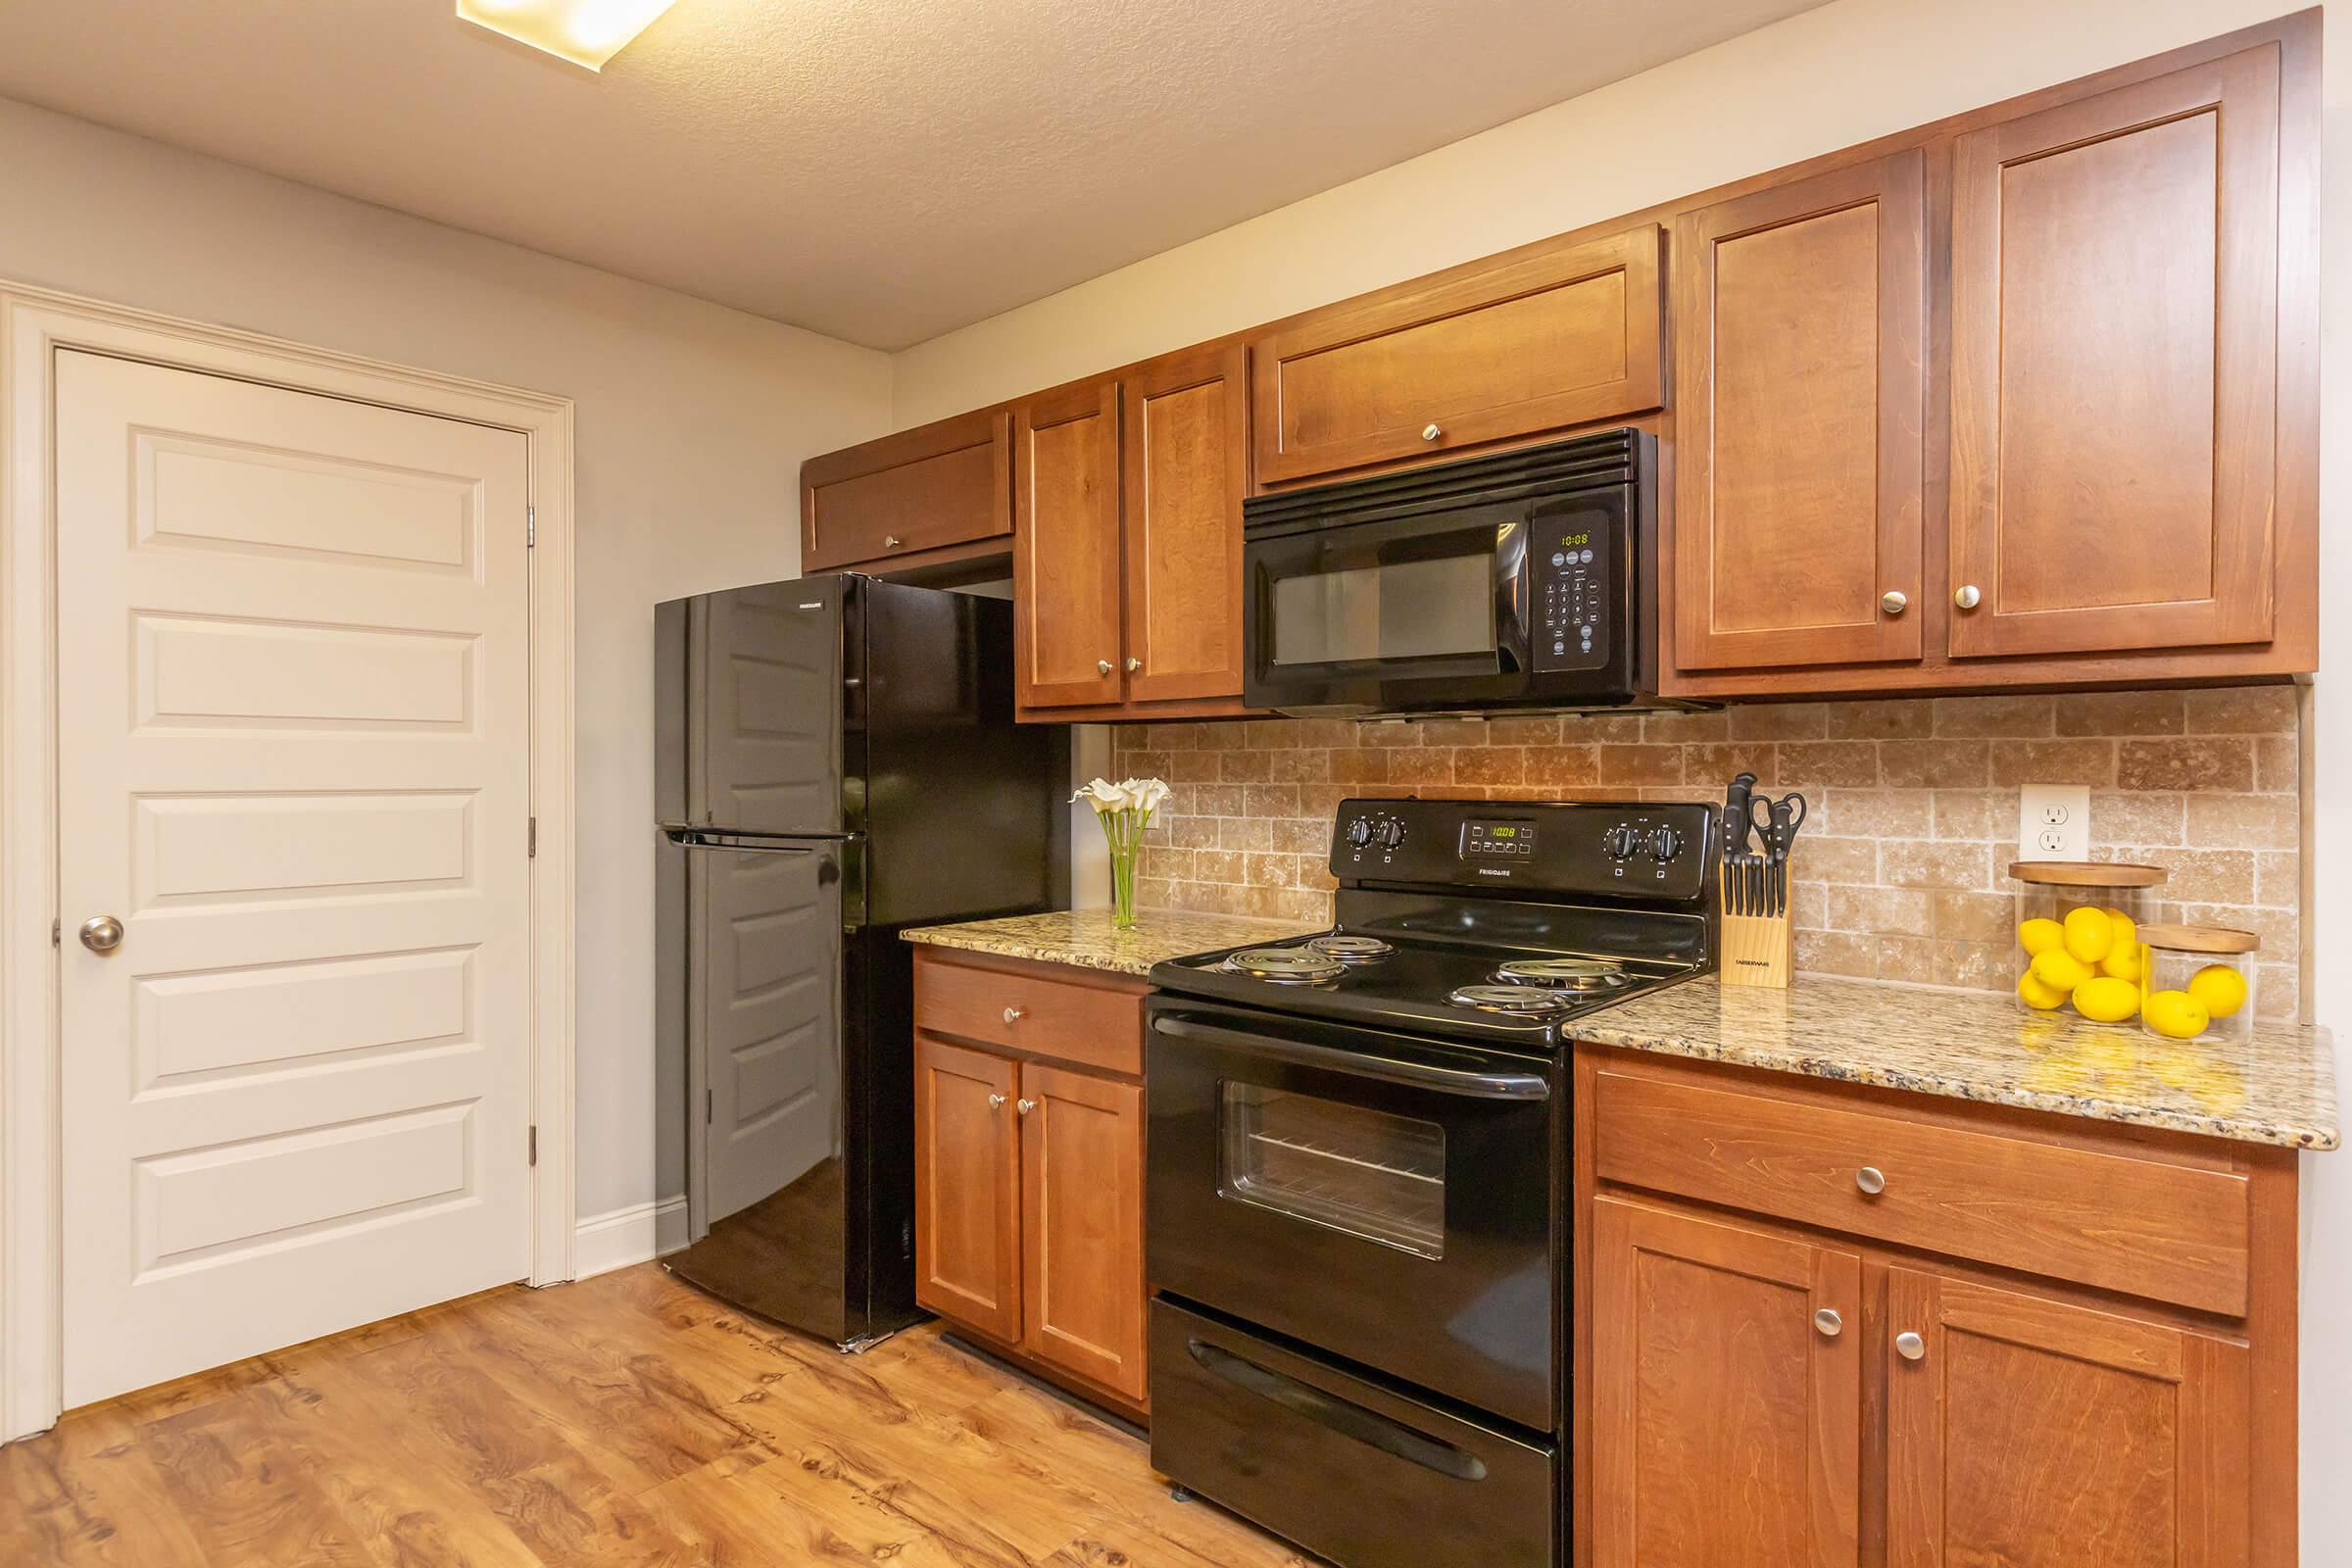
pixel 1122 887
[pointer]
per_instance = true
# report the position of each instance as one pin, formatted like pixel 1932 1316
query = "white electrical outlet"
pixel 2053 822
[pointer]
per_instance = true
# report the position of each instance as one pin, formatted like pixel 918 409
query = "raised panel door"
pixel 1801 364
pixel 941 484
pixel 1186 470
pixel 2114 398
pixel 967 1210
pixel 1065 551
pixel 1725 1393
pixel 1082 1180
pixel 2023 1429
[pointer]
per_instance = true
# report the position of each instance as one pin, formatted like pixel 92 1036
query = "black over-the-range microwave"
pixel 1522 580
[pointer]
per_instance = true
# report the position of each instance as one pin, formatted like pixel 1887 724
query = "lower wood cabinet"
pixel 1029 1175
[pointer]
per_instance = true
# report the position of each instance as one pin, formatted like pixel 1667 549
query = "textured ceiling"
pixel 882 171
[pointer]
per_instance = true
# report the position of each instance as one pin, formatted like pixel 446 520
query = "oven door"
pixel 1386 1199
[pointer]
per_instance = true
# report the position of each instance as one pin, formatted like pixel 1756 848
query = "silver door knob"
pixel 995 1102
pixel 1103 666
pixel 1910 1346
pixel 1967 597
pixel 1026 1106
pixel 1828 1322
pixel 1895 600
pixel 102 933
pixel 890 540
pixel 1870 1180
pixel 1430 432
pixel 1134 663
pixel 1015 1015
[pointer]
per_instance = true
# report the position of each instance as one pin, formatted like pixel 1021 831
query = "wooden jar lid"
pixel 2219 939
pixel 2087 873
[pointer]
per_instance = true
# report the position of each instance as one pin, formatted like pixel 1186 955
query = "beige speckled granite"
pixel 2278 1088
pixel 1086 937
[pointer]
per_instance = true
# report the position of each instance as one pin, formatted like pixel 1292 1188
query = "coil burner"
pixel 1521 998
pixel 1351 949
pixel 1289 967
pixel 1583 976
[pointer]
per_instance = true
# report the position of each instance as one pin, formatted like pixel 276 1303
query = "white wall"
pixel 1818 81
pixel 692 421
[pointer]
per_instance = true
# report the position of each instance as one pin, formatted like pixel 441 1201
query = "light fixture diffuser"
pixel 586 32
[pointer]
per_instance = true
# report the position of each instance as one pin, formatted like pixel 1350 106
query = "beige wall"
pixel 692 424
pixel 1815 82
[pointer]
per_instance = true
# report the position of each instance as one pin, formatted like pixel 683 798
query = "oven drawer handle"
pixel 1521 1086
pixel 1347 1419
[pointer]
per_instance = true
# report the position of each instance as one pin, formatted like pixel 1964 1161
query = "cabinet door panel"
pixel 1726 1424
pixel 1065 555
pixel 1802 357
pixel 1082 1178
pixel 2115 295
pixel 2034 1430
pixel 942 484
pixel 1187 467
pixel 967 1221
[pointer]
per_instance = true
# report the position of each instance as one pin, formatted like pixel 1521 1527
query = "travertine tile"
pixel 1817 764
pixel 2184 763
pixel 2249 821
pixel 1869 814
pixel 1906 718
pixel 1780 722
pixel 1640 764
pixel 2275 763
pixel 2067 761
pixel 1822 859
pixel 1885 911
pixel 1967 916
pixel 1685 728
pixel 2119 713
pixel 1935 763
pixel 1983 716
pixel 2120 817
pixel 1972 814
pixel 1491 764
pixel 2240 711
pixel 1912 864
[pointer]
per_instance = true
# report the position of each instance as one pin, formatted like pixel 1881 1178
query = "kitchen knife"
pixel 1735 810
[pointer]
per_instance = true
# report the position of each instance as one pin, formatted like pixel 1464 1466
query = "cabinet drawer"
pixel 1486 353
pixel 2123 1221
pixel 1096 1026
pixel 943 484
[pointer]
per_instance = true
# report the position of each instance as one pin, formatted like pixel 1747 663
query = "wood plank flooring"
pixel 626 1420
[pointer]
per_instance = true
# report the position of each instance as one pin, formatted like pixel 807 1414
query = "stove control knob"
pixel 1392 834
pixel 1664 844
pixel 1619 842
pixel 1359 832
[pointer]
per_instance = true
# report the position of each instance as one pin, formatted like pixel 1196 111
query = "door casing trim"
pixel 35 325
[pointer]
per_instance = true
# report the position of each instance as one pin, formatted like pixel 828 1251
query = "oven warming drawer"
pixel 1347 1469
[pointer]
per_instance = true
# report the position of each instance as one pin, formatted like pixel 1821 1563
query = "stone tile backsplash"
pixel 1899 873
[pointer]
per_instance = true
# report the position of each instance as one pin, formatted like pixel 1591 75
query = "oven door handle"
pixel 1346 1417
pixel 1518 1086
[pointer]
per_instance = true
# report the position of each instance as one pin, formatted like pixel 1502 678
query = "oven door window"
pixel 1368 1173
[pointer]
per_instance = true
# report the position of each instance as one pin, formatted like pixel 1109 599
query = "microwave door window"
pixel 1431 608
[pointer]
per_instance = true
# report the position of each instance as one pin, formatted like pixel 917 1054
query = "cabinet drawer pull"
pixel 1430 432
pixel 1910 1346
pixel 995 1102
pixel 1870 1180
pixel 1103 667
pixel 1015 1015
pixel 1967 596
pixel 1026 1106
pixel 1828 1322
pixel 1895 600
pixel 890 540
pixel 1133 663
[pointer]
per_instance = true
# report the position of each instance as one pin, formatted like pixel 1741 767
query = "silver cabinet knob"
pixel 1430 432
pixel 1015 1015
pixel 995 1102
pixel 1133 663
pixel 1870 1180
pixel 102 933
pixel 890 540
pixel 1103 667
pixel 1967 596
pixel 1828 1323
pixel 1910 1346
pixel 1026 1106
pixel 1895 600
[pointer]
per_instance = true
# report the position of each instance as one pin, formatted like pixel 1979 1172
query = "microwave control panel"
pixel 1574 592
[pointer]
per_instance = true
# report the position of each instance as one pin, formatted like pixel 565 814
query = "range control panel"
pixel 1575 592
pixel 1631 849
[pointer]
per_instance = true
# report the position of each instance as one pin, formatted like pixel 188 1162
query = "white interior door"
pixel 292 686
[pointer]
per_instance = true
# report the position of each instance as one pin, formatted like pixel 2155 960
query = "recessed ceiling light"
pixel 586 32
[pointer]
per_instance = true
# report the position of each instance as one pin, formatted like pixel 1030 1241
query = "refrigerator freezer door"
pixel 765 709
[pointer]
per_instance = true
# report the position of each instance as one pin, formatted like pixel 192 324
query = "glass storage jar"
pixel 2198 983
pixel 2077 934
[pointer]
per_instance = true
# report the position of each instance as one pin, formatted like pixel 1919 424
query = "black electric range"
pixel 1357 1172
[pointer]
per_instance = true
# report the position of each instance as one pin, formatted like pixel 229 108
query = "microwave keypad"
pixel 1572 615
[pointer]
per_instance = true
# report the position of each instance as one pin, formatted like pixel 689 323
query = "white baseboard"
pixel 636 1234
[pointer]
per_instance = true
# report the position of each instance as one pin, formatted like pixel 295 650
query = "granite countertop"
pixel 2279 1087
pixel 1086 937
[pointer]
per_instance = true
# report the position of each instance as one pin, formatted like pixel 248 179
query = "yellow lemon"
pixel 2122 930
pixel 2037 994
pixel 2059 970
pixel 2106 1000
pixel 2040 936
pixel 2124 961
pixel 2218 989
pixel 2176 1015
pixel 2088 935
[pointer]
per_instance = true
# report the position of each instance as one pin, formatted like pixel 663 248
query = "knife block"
pixel 1756 950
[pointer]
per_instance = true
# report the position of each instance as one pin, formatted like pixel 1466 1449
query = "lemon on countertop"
pixel 2218 989
pixel 2104 999
pixel 2037 994
pixel 2039 936
pixel 2089 934
pixel 2176 1015
pixel 2059 969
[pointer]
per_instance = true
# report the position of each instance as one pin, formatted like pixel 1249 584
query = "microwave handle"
pixel 1361 1064
pixel 1513 648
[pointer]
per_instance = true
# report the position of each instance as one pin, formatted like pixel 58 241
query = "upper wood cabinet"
pixel 2114 388
pixel 1801 380
pixel 1065 555
pixel 1727 1394
pixel 1495 351
pixel 919 490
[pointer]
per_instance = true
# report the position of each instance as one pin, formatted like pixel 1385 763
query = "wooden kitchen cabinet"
pixel 2027 1429
pixel 1543 338
pixel 1029 1166
pixel 919 495
pixel 1726 1393
pixel 1065 554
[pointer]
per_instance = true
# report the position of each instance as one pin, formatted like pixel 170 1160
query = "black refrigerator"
pixel 836 762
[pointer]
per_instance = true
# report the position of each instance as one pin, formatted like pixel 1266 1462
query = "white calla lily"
pixel 1125 811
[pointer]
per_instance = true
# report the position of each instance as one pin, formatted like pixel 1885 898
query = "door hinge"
pixel 530 527
pixel 710 1105
pixel 533 841
pixel 57 932
pixel 534 1144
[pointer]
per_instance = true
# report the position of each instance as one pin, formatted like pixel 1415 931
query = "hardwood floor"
pixel 624 1420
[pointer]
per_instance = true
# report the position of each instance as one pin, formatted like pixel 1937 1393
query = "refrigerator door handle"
pixel 689 837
